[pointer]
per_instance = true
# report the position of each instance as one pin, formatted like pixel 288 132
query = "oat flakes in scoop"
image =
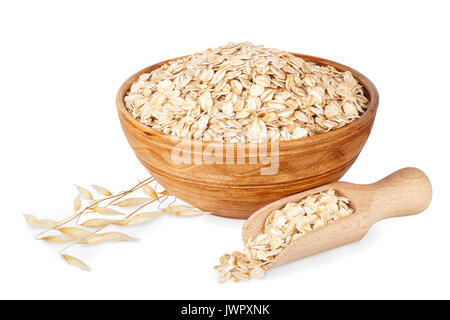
pixel 245 93
pixel 281 228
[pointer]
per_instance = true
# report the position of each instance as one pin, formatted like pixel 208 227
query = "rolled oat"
pixel 245 93
pixel 281 228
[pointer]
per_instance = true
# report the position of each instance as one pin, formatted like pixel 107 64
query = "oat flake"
pixel 245 93
pixel 281 228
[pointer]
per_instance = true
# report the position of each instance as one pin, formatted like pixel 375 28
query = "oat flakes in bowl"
pixel 236 186
pixel 245 93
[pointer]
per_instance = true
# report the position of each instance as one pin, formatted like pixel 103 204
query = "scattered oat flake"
pixel 76 262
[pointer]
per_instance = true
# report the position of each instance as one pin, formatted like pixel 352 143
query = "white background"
pixel 61 65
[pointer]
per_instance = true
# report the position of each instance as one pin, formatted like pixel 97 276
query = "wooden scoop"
pixel 403 193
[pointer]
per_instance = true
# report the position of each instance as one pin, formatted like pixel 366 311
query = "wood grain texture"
pixel 236 190
pixel 405 192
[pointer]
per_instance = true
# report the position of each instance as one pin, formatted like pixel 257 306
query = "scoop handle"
pixel 403 193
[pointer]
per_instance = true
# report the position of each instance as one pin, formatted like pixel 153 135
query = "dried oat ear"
pixel 128 211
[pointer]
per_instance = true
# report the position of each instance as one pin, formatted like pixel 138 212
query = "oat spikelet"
pixel 132 202
pixel 75 233
pixel 190 213
pixel 102 190
pixel 180 210
pixel 107 211
pixel 76 262
pixel 71 232
pixel 43 223
pixel 108 236
pixel 138 219
pixel 85 193
pixel 77 203
pixel 58 238
pixel 150 191
pixel 97 223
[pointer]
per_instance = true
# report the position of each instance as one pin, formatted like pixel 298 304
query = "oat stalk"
pixel 72 231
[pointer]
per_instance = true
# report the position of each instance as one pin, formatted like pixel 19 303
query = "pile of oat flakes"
pixel 281 228
pixel 245 93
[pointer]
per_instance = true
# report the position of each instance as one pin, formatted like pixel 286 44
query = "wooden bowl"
pixel 237 190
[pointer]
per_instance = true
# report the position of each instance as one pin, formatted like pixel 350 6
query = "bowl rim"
pixel 344 131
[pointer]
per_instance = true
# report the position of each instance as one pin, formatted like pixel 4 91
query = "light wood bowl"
pixel 237 190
